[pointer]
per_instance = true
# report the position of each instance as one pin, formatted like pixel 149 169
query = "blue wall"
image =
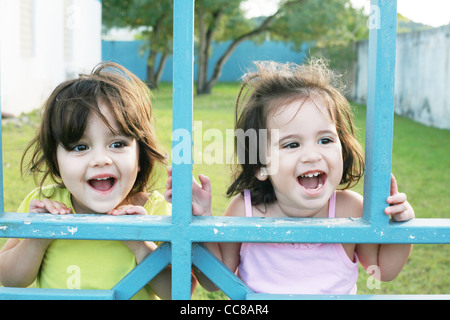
pixel 127 54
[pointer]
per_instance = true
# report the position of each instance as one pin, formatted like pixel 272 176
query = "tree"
pixel 210 16
pixel 154 19
pixel 325 23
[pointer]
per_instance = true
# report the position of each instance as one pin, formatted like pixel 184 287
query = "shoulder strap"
pixel 332 206
pixel 248 203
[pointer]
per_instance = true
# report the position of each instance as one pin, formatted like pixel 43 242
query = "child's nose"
pixel 100 158
pixel 310 154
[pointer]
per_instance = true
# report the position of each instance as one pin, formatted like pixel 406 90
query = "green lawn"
pixel 421 158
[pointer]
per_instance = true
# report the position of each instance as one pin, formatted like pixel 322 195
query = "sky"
pixel 431 12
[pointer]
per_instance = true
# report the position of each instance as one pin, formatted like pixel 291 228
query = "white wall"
pixel 42 43
pixel 422 80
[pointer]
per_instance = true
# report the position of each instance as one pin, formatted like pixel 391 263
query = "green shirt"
pixel 88 264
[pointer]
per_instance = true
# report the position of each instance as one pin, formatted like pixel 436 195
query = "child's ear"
pixel 261 174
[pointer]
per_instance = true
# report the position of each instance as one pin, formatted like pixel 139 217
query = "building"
pixel 42 43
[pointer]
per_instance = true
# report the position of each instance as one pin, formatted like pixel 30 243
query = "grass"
pixel 421 158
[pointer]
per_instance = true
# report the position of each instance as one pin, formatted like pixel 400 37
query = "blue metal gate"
pixel 182 232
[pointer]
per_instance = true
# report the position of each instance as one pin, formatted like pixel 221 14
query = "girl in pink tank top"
pixel 301 268
pixel 298 158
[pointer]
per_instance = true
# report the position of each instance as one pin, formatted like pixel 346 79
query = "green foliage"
pixel 325 23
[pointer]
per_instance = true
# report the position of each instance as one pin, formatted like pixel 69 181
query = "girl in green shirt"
pixel 97 144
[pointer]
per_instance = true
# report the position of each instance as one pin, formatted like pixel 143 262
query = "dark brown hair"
pixel 274 85
pixel 66 111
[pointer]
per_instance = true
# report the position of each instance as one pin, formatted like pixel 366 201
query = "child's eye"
pixel 291 145
pixel 118 144
pixel 325 141
pixel 80 147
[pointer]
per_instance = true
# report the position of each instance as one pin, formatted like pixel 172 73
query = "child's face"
pixel 310 163
pixel 101 168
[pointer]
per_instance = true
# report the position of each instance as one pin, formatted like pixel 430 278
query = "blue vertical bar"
pixel 181 269
pixel 183 87
pixel 380 109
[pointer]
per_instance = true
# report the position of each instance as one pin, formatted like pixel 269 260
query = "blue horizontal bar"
pixel 84 226
pixel 54 294
pixel 221 229
pixel 232 229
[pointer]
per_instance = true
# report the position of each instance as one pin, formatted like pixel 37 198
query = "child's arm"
pixel 389 258
pixel 20 260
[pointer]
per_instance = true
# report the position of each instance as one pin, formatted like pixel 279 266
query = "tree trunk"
pixel 159 71
pixel 206 38
pixel 151 60
pixel 202 73
pixel 154 72
pixel 209 84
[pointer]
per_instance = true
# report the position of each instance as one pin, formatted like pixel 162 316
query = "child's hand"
pixel 399 208
pixel 201 194
pixel 128 209
pixel 48 206
pixel 168 192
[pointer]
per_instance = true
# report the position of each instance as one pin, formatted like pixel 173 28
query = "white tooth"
pixel 310 175
pixel 316 174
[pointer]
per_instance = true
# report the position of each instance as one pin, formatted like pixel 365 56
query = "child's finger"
pixel 121 210
pixel 397 198
pixel 195 185
pixel 168 195
pixel 394 187
pixel 62 208
pixel 37 206
pixel 395 209
pixel 136 210
pixel 36 203
pixel 50 206
pixel 169 183
pixel 206 182
pixel 128 209
pixel 55 207
pixel 401 212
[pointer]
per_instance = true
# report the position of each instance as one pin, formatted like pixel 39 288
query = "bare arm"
pixel 20 261
pixel 389 258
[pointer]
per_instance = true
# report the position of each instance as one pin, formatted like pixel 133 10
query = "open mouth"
pixel 102 184
pixel 313 180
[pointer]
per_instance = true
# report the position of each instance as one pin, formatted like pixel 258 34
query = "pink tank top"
pixel 297 268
